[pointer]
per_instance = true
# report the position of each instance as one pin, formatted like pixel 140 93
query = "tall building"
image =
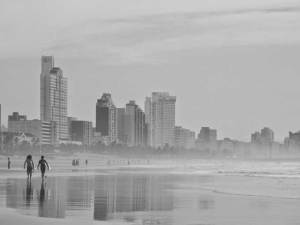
pixel 121 135
pixel 16 117
pixel 148 121
pixel 134 124
pixel 267 135
pixel 160 114
pixel 256 138
pixel 106 118
pixel 81 131
pixel 264 137
pixel 293 141
pixel 54 96
pixel 1 135
pixel 45 131
pixel 207 135
pixel 184 138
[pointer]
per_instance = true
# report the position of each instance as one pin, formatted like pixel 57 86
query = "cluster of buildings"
pixel 129 125
pixel 153 125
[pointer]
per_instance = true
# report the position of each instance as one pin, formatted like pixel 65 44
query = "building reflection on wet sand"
pixel 136 193
pixel 107 196
pixel 48 198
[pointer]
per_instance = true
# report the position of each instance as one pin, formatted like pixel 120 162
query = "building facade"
pixel 106 118
pixel 45 131
pixel 134 125
pixel 264 137
pixel 184 138
pixel 207 140
pixel 81 131
pixel 148 120
pixel 207 135
pixel 54 96
pixel 121 134
pixel 267 135
pixel 1 135
pixel 160 114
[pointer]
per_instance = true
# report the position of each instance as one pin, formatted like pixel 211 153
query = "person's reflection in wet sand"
pixel 29 193
pixel 42 198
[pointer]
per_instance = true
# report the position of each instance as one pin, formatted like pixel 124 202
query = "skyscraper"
pixel 54 96
pixel 264 137
pixel 81 131
pixel 135 124
pixel 160 114
pixel 267 135
pixel 121 135
pixel 207 135
pixel 106 117
pixel 184 138
pixel 1 141
pixel 148 113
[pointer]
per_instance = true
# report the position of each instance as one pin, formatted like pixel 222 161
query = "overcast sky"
pixel 233 65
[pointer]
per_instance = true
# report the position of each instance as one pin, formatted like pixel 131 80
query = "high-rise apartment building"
pixel 148 117
pixel 256 138
pixel 1 135
pixel 184 138
pixel 81 131
pixel 54 96
pixel 134 124
pixel 207 140
pixel 265 136
pixel 160 116
pixel 121 135
pixel 106 118
pixel 207 135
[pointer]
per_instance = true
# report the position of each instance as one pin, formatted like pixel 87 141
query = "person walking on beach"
pixel 30 166
pixel 42 164
pixel 8 163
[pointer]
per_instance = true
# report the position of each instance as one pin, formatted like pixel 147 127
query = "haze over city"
pixel 147 112
pixel 232 65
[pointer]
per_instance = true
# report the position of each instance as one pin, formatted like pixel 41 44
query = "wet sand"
pixel 149 193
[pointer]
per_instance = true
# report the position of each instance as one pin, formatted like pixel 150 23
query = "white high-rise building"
pixel 160 119
pixel 54 97
pixel 148 113
pixel 106 118
pixel 134 125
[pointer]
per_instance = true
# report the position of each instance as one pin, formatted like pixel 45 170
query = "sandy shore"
pixel 174 192
pixel 10 217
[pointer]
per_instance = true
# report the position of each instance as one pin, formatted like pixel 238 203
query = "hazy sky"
pixel 233 65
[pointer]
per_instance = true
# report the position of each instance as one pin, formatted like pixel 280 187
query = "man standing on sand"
pixel 42 164
pixel 30 166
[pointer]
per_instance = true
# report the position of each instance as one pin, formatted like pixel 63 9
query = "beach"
pixel 110 190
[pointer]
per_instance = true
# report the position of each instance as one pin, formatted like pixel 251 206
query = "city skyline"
pixel 58 70
pixel 230 70
pixel 149 112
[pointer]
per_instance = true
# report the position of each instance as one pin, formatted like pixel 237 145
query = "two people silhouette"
pixel 42 165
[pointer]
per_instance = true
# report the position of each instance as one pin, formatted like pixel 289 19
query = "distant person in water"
pixel 8 163
pixel 30 166
pixel 86 162
pixel 42 165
